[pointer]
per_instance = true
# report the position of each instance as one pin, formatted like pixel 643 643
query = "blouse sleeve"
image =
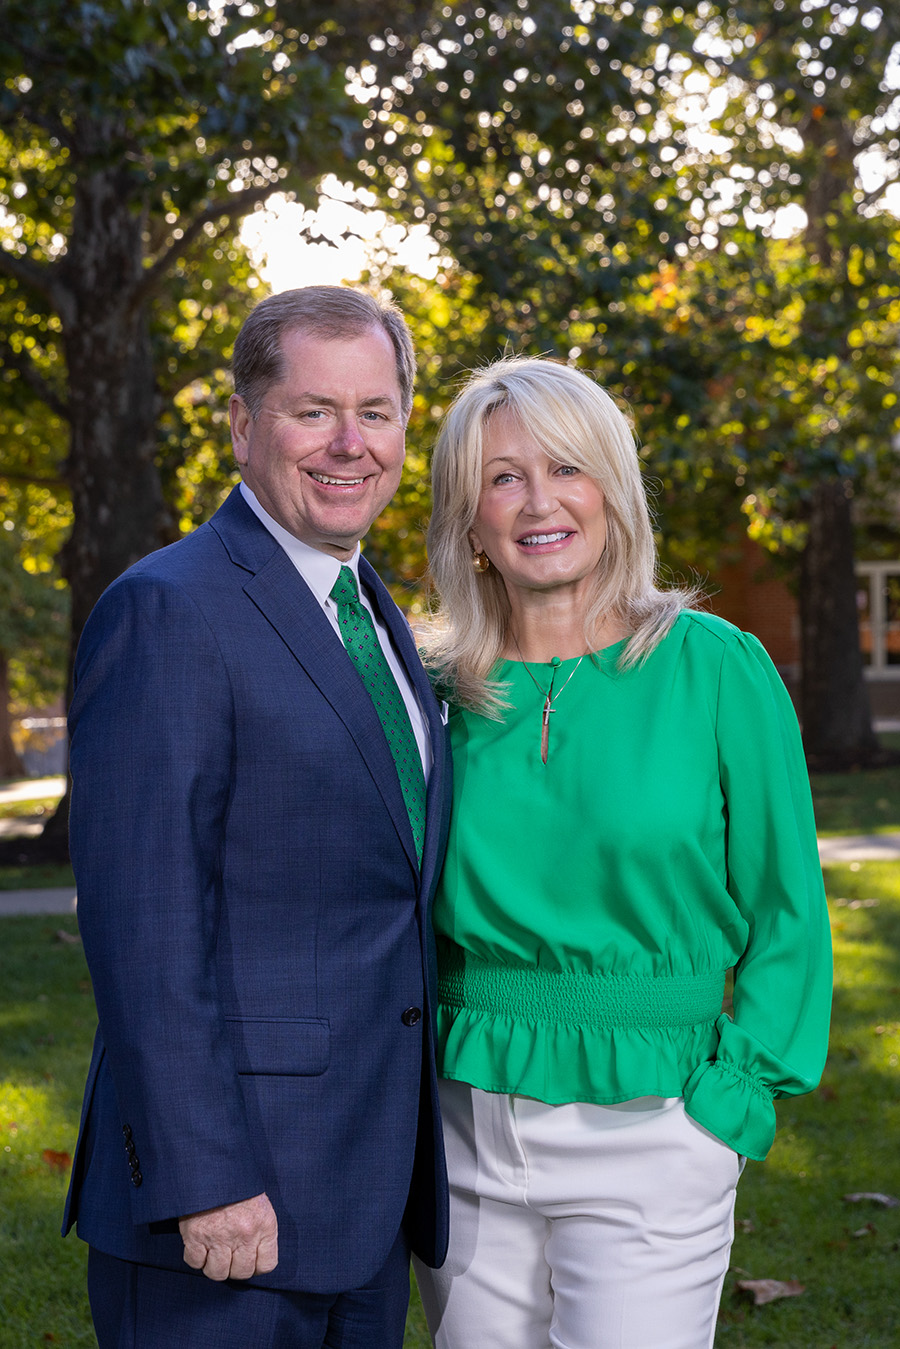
pixel 775 1042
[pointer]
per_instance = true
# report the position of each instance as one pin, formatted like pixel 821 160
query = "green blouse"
pixel 590 907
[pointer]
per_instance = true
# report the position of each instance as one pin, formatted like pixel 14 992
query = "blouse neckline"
pixel 605 656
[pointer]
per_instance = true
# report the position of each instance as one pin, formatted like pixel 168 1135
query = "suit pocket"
pixel 280 1046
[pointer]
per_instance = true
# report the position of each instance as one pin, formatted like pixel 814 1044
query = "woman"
pixel 631 819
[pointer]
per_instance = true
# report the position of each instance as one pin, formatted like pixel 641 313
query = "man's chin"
pixel 341 530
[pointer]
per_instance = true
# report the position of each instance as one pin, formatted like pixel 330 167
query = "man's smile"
pixel 336 482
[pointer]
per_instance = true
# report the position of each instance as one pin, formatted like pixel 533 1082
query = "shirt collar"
pixel 319 570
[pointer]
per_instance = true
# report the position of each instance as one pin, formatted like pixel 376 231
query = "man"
pixel 255 852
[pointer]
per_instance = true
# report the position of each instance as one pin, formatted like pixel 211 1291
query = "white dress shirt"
pixel 320 571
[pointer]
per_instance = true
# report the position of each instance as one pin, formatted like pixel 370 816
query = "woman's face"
pixel 541 522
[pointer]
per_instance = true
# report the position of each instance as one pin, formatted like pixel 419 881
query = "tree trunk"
pixel 118 506
pixel 834 697
pixel 10 763
pixel 117 500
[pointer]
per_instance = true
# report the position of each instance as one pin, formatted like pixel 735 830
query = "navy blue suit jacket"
pixel 254 919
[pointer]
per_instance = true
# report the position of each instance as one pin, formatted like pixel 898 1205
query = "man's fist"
pixel 235 1241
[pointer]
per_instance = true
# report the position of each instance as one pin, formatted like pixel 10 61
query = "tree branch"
pixel 238 205
pixel 876 302
pixel 28 113
pixel 877 192
pixel 36 276
pixel 17 360
pixel 188 371
pixel 32 479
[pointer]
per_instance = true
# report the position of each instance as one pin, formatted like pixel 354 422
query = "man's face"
pixel 325 453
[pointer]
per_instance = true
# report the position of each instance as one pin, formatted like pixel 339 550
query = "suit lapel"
pixel 277 589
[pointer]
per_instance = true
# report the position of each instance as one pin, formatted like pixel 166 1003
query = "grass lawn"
pixel 793 1221
pixel 866 802
pixel 32 809
pixel 46 1025
pixel 36 877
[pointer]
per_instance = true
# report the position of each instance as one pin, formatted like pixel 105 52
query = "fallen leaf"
pixel 769 1290
pixel 872 1197
pixel 867 1231
pixel 746 1225
pixel 71 938
pixel 57 1161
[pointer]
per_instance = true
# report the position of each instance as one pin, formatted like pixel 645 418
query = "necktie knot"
pixel 345 589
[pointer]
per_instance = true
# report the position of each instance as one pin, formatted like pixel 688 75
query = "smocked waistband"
pixel 566 997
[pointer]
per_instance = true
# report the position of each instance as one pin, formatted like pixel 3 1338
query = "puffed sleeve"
pixel 775 1042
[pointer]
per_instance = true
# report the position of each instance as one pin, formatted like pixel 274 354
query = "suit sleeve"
pixel 776 1041
pixel 152 739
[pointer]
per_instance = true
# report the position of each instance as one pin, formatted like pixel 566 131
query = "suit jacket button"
pixel 412 1016
pixel 136 1179
pixel 126 1130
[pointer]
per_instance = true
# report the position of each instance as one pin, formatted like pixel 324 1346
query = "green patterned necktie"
pixel 363 647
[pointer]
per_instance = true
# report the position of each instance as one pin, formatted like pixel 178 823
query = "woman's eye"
pixel 568 470
pixel 501 478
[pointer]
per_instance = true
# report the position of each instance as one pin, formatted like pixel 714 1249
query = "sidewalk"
pixel 32 789
pixel 847 848
pixel 860 848
pixel 37 901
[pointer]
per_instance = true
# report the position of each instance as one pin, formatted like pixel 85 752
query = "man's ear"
pixel 241 424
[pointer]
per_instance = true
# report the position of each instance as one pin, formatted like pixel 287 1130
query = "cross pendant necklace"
pixel 548 696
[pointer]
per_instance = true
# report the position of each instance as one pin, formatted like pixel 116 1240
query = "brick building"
pixel 749 593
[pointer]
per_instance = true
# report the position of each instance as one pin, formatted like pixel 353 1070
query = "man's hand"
pixel 235 1241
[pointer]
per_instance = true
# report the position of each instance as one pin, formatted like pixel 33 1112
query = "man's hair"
pixel 330 312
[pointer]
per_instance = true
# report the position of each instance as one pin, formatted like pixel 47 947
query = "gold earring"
pixel 480 561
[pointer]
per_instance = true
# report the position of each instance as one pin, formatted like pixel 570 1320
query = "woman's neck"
pixel 543 625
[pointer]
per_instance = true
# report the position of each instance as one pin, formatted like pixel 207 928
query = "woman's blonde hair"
pixel 576 422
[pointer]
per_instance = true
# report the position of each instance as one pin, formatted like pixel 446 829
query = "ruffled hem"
pixel 559 1064
pixel 563 1063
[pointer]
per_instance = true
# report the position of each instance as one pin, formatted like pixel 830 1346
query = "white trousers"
pixel 580 1226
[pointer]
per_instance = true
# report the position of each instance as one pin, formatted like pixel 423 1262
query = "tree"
pixel 528 137
pixel 610 187
pixel 808 117
pixel 136 135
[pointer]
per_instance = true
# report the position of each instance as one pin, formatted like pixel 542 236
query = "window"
pixel 878 598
